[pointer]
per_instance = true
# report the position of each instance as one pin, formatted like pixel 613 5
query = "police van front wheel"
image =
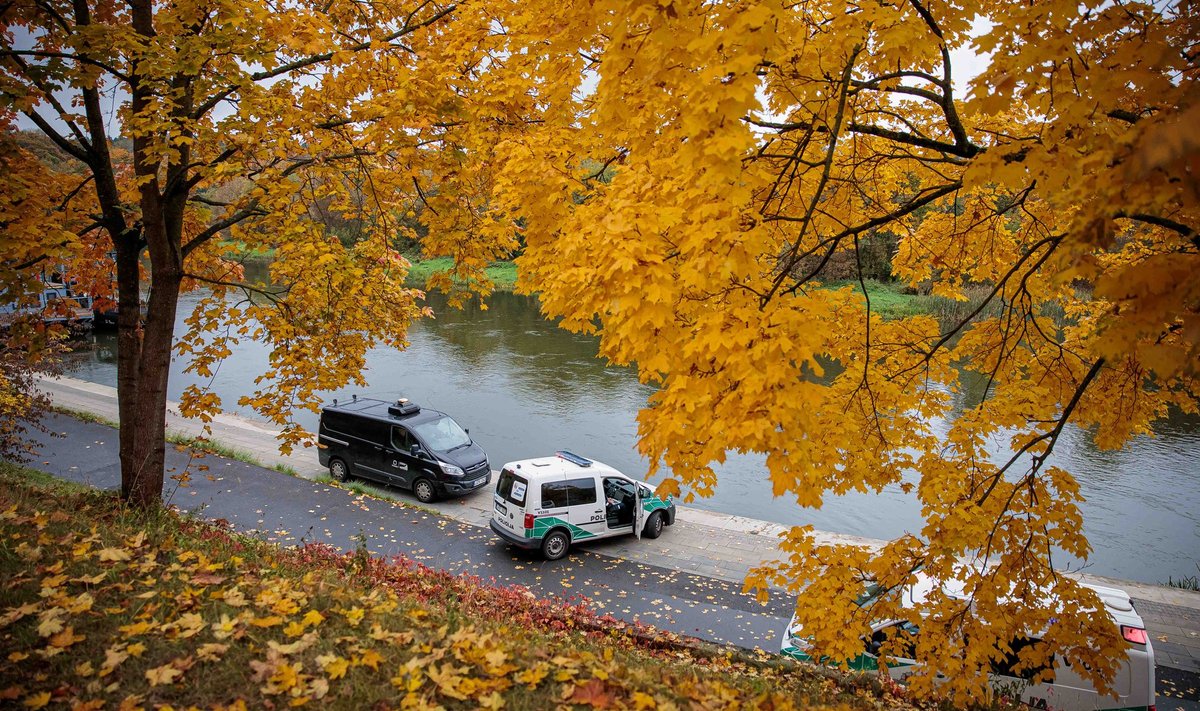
pixel 654 525
pixel 555 545
pixel 338 470
pixel 424 491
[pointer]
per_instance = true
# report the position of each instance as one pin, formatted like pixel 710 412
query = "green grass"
pixel 1185 582
pixel 182 439
pixel 109 606
pixel 502 274
pixel 204 444
pixel 85 416
pixel 890 301
pixel 238 251
pixel 364 489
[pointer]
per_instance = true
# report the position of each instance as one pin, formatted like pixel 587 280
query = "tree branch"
pixel 1051 436
pixel 1183 230
pixel 964 151
pixel 39 54
pixel 310 60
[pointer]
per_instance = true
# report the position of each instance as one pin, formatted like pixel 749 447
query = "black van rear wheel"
pixel 555 545
pixel 338 470
pixel 424 491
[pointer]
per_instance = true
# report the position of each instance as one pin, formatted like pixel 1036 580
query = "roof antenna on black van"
pixel 335 402
pixel 355 396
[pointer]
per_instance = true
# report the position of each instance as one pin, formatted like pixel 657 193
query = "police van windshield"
pixel 442 434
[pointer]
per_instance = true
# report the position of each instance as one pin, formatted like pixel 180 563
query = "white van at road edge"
pixel 1134 683
pixel 552 502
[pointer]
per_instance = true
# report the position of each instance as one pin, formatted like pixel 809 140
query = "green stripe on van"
pixel 653 504
pixel 542 526
pixel 861 663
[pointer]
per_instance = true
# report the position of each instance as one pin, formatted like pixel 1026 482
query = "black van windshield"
pixel 442 434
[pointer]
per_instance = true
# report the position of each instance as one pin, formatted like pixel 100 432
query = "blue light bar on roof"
pixel 575 458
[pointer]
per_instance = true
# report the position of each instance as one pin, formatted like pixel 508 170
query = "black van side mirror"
pixel 414 449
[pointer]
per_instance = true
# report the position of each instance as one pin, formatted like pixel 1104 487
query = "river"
pixel 526 388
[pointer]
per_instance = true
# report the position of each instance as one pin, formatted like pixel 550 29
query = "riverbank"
pixel 701 543
pixel 503 274
pixel 891 300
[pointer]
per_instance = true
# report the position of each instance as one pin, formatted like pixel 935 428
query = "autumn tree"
pixel 751 143
pixel 242 117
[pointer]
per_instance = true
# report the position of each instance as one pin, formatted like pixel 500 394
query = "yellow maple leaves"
pixel 749 154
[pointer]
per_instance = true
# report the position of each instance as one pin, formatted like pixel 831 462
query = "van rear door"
pixel 508 504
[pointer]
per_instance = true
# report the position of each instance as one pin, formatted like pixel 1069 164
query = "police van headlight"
pixel 451 470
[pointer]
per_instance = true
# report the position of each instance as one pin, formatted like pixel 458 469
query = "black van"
pixel 401 444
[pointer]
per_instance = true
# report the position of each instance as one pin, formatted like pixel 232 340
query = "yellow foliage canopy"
pixel 682 173
pixel 684 196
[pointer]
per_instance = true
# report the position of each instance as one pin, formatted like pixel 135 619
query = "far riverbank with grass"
pixel 887 298
pixel 502 274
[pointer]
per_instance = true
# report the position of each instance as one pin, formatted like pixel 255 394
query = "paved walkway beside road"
pixel 701 543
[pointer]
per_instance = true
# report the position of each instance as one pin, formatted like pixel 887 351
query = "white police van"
pixel 552 502
pixel 1066 690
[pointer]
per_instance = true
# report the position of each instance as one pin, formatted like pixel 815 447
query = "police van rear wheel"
pixel 424 491
pixel 555 545
pixel 338 470
pixel 654 526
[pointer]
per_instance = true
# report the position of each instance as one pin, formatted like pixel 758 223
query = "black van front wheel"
pixel 424 491
pixel 555 545
pixel 338 470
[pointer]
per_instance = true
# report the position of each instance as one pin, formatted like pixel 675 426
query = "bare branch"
pixel 40 54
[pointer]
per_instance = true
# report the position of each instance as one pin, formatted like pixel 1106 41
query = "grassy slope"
pixel 109 607
pixel 502 274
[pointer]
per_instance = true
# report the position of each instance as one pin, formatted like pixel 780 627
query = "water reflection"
pixel 526 388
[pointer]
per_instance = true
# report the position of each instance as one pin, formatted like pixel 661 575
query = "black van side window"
pixel 371 430
pixel 581 491
pixel 402 439
pixel 335 421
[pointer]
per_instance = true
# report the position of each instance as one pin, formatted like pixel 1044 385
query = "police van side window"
pixel 580 491
pixel 554 494
pixel 1007 665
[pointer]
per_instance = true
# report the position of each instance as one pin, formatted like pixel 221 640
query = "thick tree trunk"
pixel 144 358
pixel 143 421
pixel 129 355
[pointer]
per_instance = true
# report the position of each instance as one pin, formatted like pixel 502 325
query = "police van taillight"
pixel 1137 635
pixel 528 520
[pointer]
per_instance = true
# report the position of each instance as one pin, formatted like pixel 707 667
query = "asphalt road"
pixel 288 510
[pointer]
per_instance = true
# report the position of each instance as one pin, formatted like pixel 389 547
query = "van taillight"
pixel 1137 635
pixel 528 520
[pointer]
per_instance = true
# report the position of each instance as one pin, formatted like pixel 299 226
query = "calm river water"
pixel 526 388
